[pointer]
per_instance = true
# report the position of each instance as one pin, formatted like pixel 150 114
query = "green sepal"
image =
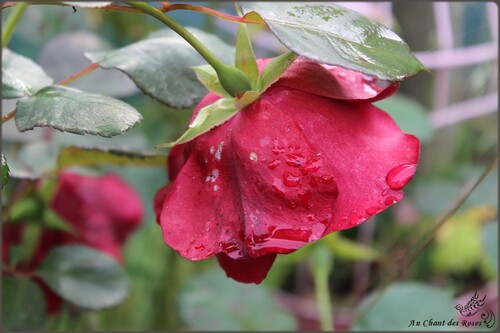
pixel 210 116
pixel 208 77
pixel 245 56
pixel 273 71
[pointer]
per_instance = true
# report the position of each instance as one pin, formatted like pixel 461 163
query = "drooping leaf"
pixel 89 4
pixel 208 117
pixel 74 111
pixel 207 75
pixel 161 65
pixel 83 156
pixel 63 56
pixel 335 35
pixel 245 57
pixel 21 76
pixel 84 276
pixel 238 305
pixel 23 304
pixel 409 114
pixel 5 171
pixel 411 302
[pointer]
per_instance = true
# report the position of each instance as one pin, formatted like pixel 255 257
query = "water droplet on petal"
pixel 373 210
pixel 199 247
pixel 390 201
pixel 292 205
pixel 273 164
pixel 305 198
pixel 294 159
pixel 325 179
pixel 254 157
pixel 312 165
pixel 290 179
pixel 384 192
pixel 398 177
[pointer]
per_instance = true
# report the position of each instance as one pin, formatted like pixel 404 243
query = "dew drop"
pixel 199 247
pixel 310 217
pixel 292 205
pixel 384 192
pixel 254 157
pixel 305 198
pixel 277 148
pixel 390 201
pixel 312 165
pixel 398 177
pixel 373 210
pixel 294 159
pixel 325 179
pixel 273 164
pixel 290 180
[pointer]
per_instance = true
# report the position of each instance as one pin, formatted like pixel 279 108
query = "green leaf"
pixel 209 117
pixel 21 76
pixel 74 111
pixel 83 156
pixel 238 305
pixel 84 277
pixel 273 70
pixel 401 303
pixel 5 171
pixel 409 114
pixel 161 66
pixel 489 235
pixel 338 36
pixel 207 75
pixel 245 57
pixel 23 304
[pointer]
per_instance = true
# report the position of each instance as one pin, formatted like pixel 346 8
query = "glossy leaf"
pixel 208 117
pixel 74 111
pixel 21 76
pixel 23 304
pixel 410 301
pixel 5 171
pixel 161 65
pixel 238 305
pixel 207 75
pixel 81 156
pixel 335 35
pixel 245 57
pixel 84 276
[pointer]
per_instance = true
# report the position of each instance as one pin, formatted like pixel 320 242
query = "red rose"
pixel 104 211
pixel 311 156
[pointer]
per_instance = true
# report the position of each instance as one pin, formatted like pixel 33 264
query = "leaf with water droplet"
pixel 335 35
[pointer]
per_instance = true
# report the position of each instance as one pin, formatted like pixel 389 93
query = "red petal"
pixel 104 210
pixel 334 82
pixel 247 270
pixel 285 171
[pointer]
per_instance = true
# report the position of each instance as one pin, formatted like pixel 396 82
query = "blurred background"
pixel 379 268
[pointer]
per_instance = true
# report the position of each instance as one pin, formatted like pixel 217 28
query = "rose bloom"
pixel 103 211
pixel 311 156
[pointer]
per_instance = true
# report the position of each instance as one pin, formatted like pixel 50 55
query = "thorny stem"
pixel 12 21
pixel 164 9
